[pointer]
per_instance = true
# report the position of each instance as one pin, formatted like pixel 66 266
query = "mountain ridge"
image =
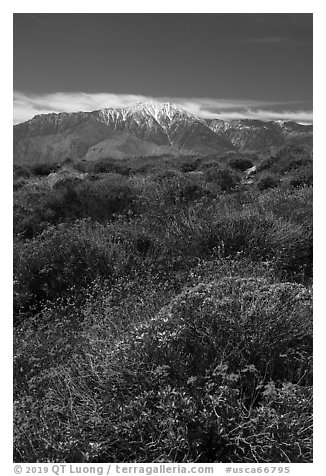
pixel 143 129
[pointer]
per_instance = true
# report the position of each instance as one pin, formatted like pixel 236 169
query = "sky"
pixel 214 65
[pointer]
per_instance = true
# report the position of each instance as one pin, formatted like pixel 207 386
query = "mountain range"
pixel 146 129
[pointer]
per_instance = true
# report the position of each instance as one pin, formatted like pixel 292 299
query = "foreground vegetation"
pixel 163 310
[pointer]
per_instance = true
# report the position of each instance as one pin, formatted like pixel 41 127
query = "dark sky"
pixel 251 57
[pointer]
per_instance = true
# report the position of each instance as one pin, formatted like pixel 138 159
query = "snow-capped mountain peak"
pixel 143 129
pixel 159 109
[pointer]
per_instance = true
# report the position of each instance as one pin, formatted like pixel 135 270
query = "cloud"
pixel 27 106
pixel 301 116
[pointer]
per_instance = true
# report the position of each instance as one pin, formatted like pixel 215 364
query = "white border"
pixel 168 6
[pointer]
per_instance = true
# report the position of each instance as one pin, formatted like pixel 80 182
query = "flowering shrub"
pixel 221 374
pixel 173 324
pixel 65 258
pixel 234 320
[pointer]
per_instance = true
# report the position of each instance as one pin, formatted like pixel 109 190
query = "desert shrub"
pixel 207 164
pixel 147 398
pixel 287 159
pixel 31 225
pixel 101 166
pixel 63 202
pixel 295 253
pixel 108 166
pixel 175 190
pixel 226 179
pixel 192 192
pixel 21 171
pixel 189 166
pixel 237 321
pixel 268 181
pixel 239 334
pixel 303 177
pixel 19 183
pixel 295 205
pixel 111 195
pixel 296 163
pixel 172 190
pixel 44 168
pixel 67 181
pixel 266 163
pixel 170 332
pixel 279 429
pixel 240 163
pixel 73 198
pixel 184 220
pixel 166 424
pixel 166 175
pixel 30 213
pixel 220 230
pixel 63 259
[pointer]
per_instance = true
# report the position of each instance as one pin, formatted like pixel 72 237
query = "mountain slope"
pixel 146 129
pixel 143 130
pixel 54 143
pixel 77 140
pixel 246 134
pixel 124 145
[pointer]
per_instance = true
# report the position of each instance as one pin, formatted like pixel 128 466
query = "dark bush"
pixel 63 259
pixel 240 163
pixel 267 182
pixel 287 159
pixel 108 166
pixel 226 179
pixel 21 171
pixel 19 183
pixel 303 177
pixel 44 169
pixel 167 174
pixel 100 200
pixel 266 163
pixel 189 167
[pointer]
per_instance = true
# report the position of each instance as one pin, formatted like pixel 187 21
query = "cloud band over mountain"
pixel 27 106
